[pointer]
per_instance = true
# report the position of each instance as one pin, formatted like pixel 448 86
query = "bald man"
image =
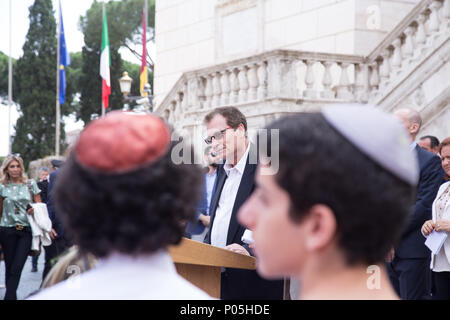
pixel 409 263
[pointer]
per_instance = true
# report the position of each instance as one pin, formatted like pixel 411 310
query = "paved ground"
pixel 29 281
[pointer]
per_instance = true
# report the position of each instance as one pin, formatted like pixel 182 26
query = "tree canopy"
pixel 34 86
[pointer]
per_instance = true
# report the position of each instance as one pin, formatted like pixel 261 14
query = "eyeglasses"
pixel 218 135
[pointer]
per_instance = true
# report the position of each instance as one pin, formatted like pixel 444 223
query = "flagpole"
pixel 103 15
pixel 58 109
pixel 9 80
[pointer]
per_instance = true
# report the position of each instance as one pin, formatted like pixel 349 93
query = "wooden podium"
pixel 200 264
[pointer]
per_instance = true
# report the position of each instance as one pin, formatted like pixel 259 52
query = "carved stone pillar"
pixel 344 91
pixel 445 23
pixel 374 81
pixel 310 80
pixel 327 93
pixel 194 100
pixel 243 84
pixel 434 23
pixel 397 56
pixel 225 85
pixel 361 82
pixel 234 84
pixel 408 47
pixel 262 81
pixel 421 37
pixel 216 89
pixel 385 69
pixel 252 81
pixel 208 92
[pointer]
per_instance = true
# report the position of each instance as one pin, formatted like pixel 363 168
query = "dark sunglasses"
pixel 218 135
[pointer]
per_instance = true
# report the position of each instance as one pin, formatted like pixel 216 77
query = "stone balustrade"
pixel 421 33
pixel 279 74
pixel 305 79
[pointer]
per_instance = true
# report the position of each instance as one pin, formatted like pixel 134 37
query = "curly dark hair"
pixel 134 213
pixel 317 165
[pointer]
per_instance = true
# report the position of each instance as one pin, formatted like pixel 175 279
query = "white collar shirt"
pixel 123 277
pixel 225 205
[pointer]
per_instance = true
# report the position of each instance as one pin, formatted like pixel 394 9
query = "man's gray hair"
pixel 42 169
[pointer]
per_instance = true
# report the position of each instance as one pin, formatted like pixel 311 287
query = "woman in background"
pixel 16 192
pixel 440 263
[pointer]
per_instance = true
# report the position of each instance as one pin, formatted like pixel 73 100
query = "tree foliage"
pixel 34 86
pixel 4 62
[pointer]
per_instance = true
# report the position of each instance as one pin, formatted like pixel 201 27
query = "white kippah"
pixel 379 135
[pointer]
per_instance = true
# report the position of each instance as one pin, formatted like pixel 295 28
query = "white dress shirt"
pixel 122 277
pixel 224 209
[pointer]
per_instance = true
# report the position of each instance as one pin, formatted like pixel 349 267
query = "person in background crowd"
pixel 43 174
pixel 227 134
pixel 315 219
pixel 203 219
pixel 43 186
pixel 440 222
pixel 429 143
pixel 135 204
pixel 16 194
pixel 408 263
pixel 60 240
pixel 70 264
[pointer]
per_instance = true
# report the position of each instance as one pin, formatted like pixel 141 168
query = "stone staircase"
pixel 410 67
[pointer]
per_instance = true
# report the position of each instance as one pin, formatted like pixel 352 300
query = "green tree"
pixel 4 65
pixel 35 83
pixel 124 28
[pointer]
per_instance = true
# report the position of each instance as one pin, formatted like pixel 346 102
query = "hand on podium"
pixel 237 248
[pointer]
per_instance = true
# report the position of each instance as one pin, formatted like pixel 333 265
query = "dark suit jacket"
pixel 52 214
pixel 43 186
pixel 237 283
pixel 412 245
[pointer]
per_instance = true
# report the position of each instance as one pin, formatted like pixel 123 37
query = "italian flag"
pixel 105 62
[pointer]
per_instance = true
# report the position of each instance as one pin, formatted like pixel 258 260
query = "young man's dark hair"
pixel 125 200
pixel 319 166
pixel 233 116
pixel 137 212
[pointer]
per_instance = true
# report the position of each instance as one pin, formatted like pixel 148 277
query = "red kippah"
pixel 121 142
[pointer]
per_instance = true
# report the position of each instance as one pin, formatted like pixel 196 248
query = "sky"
pixel 71 10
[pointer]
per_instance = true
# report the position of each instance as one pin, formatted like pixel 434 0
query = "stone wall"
pixel 192 34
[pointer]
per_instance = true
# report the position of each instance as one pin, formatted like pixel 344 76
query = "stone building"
pixel 275 57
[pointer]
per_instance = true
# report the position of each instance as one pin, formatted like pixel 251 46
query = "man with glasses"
pixel 227 134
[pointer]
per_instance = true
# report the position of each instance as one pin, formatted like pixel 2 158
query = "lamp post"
pixel 125 87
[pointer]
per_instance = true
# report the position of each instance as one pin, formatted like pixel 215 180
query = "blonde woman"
pixel 15 232
pixel 440 263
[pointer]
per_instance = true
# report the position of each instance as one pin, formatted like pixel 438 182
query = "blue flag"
pixel 64 60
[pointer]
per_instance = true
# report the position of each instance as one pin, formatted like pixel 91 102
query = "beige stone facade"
pixel 274 57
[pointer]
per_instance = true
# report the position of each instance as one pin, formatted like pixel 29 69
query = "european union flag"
pixel 64 60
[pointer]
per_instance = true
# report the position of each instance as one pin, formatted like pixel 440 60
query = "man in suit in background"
pixel 43 186
pixel 60 242
pixel 227 133
pixel 409 263
pixel 429 143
